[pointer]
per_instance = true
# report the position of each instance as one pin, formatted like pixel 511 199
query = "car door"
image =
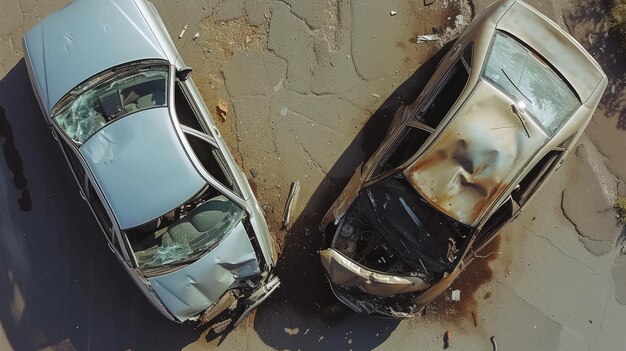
pixel 74 160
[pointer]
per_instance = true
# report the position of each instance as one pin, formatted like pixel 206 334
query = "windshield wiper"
pixel 520 114
pixel 515 86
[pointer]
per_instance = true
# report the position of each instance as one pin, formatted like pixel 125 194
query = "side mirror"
pixel 183 73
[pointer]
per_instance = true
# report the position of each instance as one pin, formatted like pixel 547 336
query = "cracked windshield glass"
pixel 116 98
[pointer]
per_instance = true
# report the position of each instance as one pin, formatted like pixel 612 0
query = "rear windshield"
pixel 526 77
pixel 126 93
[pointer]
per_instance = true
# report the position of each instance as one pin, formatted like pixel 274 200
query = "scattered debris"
pixel 474 319
pixel 613 89
pixel 428 2
pixel 427 37
pixel 620 209
pixel 493 342
pixel 446 339
pixel 182 32
pixel 283 111
pixel 456 295
pixel 222 109
pixel 292 331
pixel 392 13
pixel 221 326
pixel 254 172
pixel 376 96
pixel 195 36
pixel 291 201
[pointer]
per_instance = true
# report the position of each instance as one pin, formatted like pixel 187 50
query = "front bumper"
pixel 232 308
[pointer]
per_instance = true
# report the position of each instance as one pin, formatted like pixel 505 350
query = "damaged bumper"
pixel 370 292
pixel 234 306
pixel 373 293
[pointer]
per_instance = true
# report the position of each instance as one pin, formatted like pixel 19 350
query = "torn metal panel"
pixel 292 199
pixel 347 273
pixel 473 160
pixel 347 197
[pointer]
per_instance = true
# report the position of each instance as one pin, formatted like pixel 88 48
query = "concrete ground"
pixel 310 86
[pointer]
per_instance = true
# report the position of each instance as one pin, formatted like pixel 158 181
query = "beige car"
pixel 503 109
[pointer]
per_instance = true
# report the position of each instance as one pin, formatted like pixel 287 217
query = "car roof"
pixel 85 38
pixel 471 163
pixel 141 166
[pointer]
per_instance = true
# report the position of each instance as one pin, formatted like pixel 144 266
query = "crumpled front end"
pixel 220 288
pixel 370 292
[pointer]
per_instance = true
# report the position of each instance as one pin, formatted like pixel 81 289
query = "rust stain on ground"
pixel 471 279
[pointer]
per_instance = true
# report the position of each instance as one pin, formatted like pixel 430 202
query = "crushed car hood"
pixel 468 166
pixel 194 288
pixel 85 38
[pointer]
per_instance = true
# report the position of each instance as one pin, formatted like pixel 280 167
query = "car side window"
pixel 448 92
pixel 409 142
pixel 211 159
pixel 535 177
pixel 100 212
pixel 495 222
pixel 77 167
pixel 184 110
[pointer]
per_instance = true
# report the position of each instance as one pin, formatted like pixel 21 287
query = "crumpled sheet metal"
pixel 345 199
pixel 347 273
pixel 472 162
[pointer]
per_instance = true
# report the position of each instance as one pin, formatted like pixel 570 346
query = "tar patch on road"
pixel 14 161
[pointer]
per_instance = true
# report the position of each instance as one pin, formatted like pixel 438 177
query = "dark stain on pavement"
pixel 471 279
pixel 14 161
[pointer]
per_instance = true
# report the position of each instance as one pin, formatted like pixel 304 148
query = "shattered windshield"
pixel 186 233
pixel 124 94
pixel 521 73
pixel 422 235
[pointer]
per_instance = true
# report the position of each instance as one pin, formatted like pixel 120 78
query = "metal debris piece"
pixel 613 89
pixel 456 295
pixel 195 36
pixel 446 339
pixel 222 108
pixel 427 37
pixel 474 319
pixel 254 172
pixel 182 32
pixel 291 201
pixel 428 2
pixel 452 250
pixel 221 326
pixel 493 342
pixel 392 13
pixel 376 96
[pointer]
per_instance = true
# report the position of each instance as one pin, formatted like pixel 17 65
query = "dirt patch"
pixel 444 309
pixel 219 40
pixel 600 26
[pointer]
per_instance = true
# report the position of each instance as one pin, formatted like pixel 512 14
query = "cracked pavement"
pixel 311 86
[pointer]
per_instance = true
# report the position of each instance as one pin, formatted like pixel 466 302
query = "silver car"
pixel 502 111
pixel 176 210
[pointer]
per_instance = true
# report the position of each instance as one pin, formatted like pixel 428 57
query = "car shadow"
pixel 303 313
pixel 61 287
